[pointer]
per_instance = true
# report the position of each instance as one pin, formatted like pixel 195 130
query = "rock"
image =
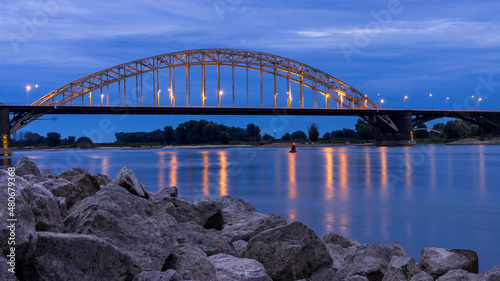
pixel 101 179
pixel 438 261
pixel 112 211
pixel 326 274
pixel 199 212
pixel 398 250
pixel 422 276
pixel 401 268
pixel 69 174
pixel 171 191
pixel 491 275
pixel 26 167
pixel 25 224
pixel 209 241
pixel 33 179
pixel 247 225
pixel 68 256
pixel 63 207
pixel 45 208
pixel 356 278
pixel 240 247
pixel 370 261
pixel 46 173
pixel 191 263
pixel 289 252
pixel 169 275
pixel 5 275
pixel 335 238
pixel 337 253
pixel 229 268
pixel 458 275
pixel 127 179
pixel 233 205
pixel 64 188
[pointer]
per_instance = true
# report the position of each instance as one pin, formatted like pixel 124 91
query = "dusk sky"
pixel 393 48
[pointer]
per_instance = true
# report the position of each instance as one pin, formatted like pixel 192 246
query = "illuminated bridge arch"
pixel 341 95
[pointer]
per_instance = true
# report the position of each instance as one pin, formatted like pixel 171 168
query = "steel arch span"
pixel 331 88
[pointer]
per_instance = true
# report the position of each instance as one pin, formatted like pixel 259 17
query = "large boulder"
pixel 337 253
pixel 401 268
pixel 169 275
pixel 335 238
pixel 205 212
pixel 370 261
pixel 230 268
pixel 490 275
pixel 24 226
pixel 63 188
pixel 84 185
pixel 398 250
pixel 171 191
pixel 26 167
pixel 209 241
pixel 289 252
pixel 127 179
pixel 438 261
pixel 45 208
pixel 458 275
pixel 102 179
pixel 5 273
pixel 422 276
pixel 138 226
pixel 46 173
pixel 191 263
pixel 64 256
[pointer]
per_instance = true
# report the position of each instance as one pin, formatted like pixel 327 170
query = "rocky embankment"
pixel 78 226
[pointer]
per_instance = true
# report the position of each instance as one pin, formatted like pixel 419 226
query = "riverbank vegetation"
pixel 204 132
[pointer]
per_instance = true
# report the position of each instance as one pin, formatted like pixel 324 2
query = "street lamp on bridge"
pixel 275 99
pixel 447 102
pixel 158 98
pixel 406 97
pixel 381 100
pixel 218 98
pixel 432 101
pixel 478 100
pixel 36 86
pixel 28 88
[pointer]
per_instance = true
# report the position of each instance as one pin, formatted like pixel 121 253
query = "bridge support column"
pixel 404 137
pixel 5 149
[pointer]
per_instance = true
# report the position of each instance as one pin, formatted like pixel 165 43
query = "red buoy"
pixel 293 149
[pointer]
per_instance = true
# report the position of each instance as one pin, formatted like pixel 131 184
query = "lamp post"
pixel 36 86
pixel 158 98
pixel 28 88
pixel 406 97
pixel 218 97
pixel 366 99
pixel 432 101
pixel 447 102
pixel 275 100
pixel 478 100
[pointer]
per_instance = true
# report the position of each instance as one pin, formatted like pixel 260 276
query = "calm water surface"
pixel 423 196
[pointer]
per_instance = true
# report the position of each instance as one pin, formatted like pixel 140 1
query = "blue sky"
pixel 394 48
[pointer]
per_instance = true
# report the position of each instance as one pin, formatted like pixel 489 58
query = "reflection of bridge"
pixel 145 79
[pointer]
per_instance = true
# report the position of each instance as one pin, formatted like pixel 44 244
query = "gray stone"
pixel 67 256
pixel 191 263
pixel 69 174
pixel 172 191
pixel 370 261
pixel 438 261
pixel 240 247
pixel 5 274
pixel 335 238
pixel 229 268
pixel 26 167
pixel 84 185
pixel 45 208
pixel 356 278
pixel 337 253
pixel 398 250
pixel 458 275
pixel 127 179
pixel 138 226
pixel 422 276
pixel 64 188
pixel 25 224
pixel 490 275
pixel 209 241
pixel 289 252
pixel 326 274
pixel 401 268
pixel 101 179
pixel 63 207
pixel 169 275
pixel 46 173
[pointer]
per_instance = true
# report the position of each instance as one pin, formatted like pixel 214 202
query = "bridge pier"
pixel 404 135
pixel 5 149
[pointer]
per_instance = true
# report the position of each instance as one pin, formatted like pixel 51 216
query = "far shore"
pixel 267 145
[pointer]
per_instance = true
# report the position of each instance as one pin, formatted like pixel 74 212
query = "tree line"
pixel 53 139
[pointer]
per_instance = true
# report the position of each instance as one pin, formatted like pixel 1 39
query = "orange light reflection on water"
pixel 328 152
pixel 292 191
pixel 173 170
pixel 223 173
pixel 206 165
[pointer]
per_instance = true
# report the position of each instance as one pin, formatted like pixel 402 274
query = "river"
pixel 422 196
